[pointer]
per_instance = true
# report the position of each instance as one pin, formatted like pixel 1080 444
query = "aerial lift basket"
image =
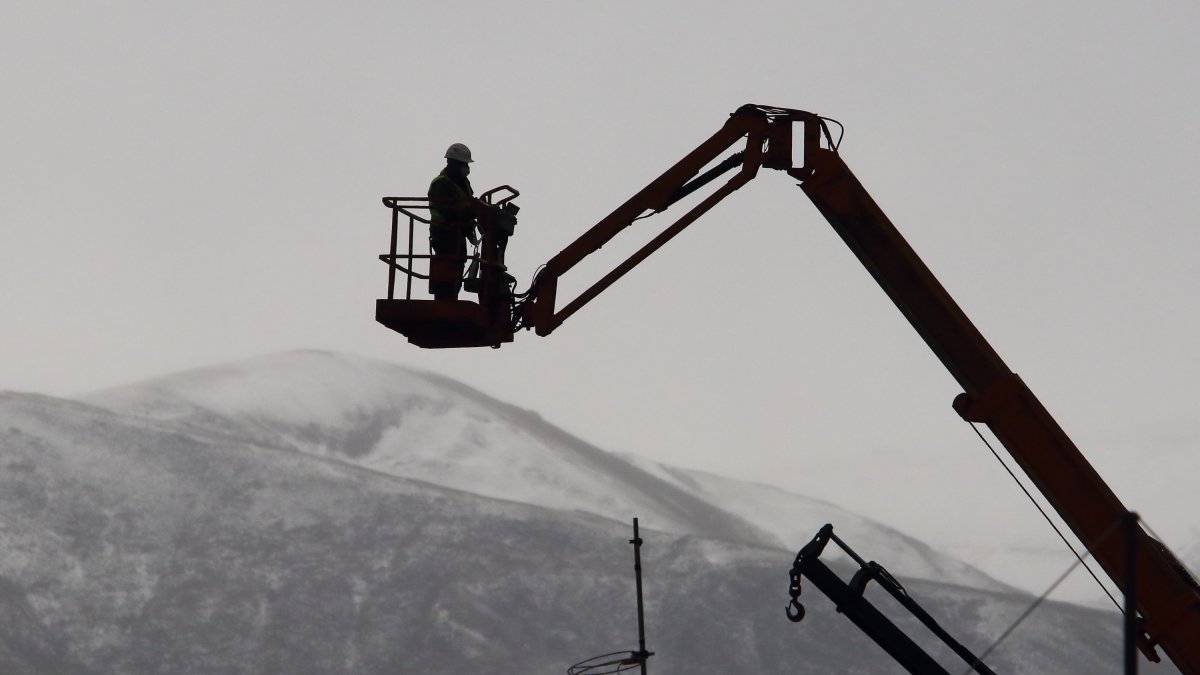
pixel 435 324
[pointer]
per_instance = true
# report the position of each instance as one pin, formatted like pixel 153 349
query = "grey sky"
pixel 186 183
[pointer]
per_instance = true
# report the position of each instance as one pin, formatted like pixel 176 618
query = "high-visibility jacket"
pixel 450 203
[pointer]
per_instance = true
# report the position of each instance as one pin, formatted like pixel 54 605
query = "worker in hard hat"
pixel 452 209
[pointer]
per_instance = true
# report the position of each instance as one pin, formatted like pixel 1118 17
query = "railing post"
pixel 392 262
pixel 408 285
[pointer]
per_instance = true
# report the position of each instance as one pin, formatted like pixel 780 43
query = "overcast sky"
pixel 189 183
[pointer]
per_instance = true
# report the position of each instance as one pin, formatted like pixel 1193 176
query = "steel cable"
pixel 1079 558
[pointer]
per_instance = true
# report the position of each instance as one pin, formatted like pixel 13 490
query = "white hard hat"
pixel 459 152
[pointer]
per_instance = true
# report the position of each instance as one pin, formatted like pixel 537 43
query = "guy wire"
pixel 1029 610
pixel 1047 517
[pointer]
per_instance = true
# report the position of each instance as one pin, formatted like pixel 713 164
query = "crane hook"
pixel 795 611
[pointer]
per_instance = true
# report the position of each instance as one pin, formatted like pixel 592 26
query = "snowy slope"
pixel 135 545
pixel 794 520
pixel 430 428
pixel 419 426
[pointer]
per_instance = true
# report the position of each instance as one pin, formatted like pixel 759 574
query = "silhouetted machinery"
pixel 850 600
pixel 453 323
pixel 1167 597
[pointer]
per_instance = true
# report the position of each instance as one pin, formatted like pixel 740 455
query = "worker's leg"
pixel 446 267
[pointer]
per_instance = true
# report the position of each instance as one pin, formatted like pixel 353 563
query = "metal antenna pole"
pixel 637 570
pixel 1131 622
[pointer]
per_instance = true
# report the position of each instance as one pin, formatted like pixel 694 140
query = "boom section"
pixel 767 133
pixel 1167 596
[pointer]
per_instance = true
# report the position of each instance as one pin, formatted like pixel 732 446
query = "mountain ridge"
pixel 131 546
pixel 429 427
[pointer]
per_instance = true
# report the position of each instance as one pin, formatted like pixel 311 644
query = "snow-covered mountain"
pixel 252 518
pixel 793 520
pixel 426 427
